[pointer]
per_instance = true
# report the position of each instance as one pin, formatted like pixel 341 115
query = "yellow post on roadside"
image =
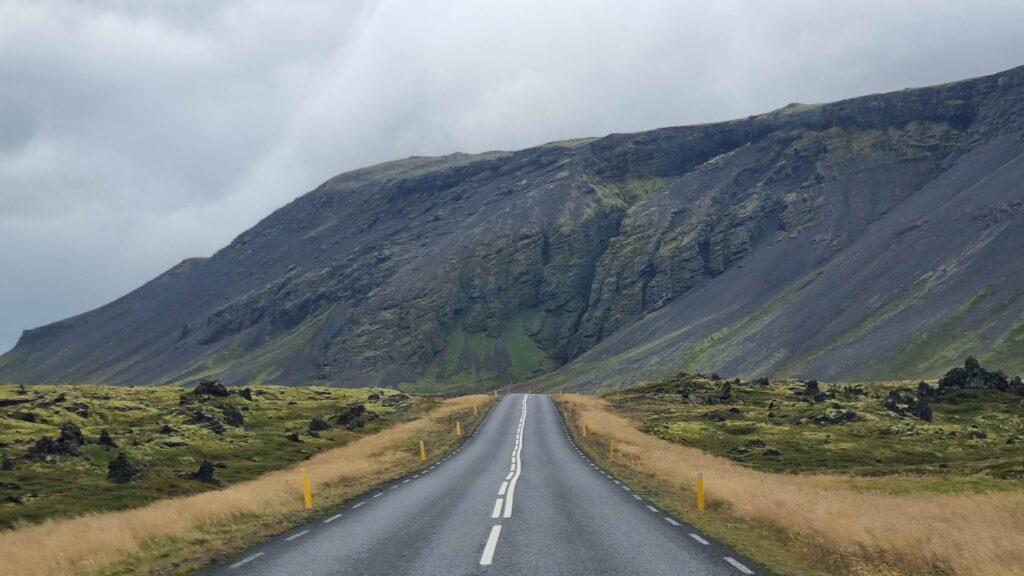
pixel 307 496
pixel 458 429
pixel 423 452
pixel 700 491
pixel 584 430
pixel 475 413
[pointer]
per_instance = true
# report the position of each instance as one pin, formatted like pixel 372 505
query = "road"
pixel 517 498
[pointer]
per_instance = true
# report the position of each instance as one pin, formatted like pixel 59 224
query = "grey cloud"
pixel 136 134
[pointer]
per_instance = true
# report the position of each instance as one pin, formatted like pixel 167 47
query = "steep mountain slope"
pixel 874 236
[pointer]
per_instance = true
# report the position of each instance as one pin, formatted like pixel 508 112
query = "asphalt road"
pixel 516 498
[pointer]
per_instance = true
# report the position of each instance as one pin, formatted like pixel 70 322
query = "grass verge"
pixel 810 524
pixel 179 535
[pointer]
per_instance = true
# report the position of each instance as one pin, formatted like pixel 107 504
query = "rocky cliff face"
pixel 874 236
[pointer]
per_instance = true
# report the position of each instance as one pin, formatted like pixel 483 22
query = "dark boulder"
pixel 246 393
pixel 68 444
pixel 714 416
pixel 233 416
pixel 396 400
pixel 71 433
pixel 351 418
pixel 772 452
pixel 167 429
pixel 293 437
pixel 972 375
pixel 373 397
pixel 210 388
pixel 106 440
pixel 757 443
pixel 921 409
pixel 8 464
pixel 205 473
pixel 121 470
pixel 837 417
pixel 79 409
pixel 762 381
pixel 812 392
pixel 725 391
pixel 317 424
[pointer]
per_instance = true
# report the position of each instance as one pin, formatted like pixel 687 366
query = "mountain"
pixel 880 236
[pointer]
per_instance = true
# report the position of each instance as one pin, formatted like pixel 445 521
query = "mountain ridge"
pixel 859 238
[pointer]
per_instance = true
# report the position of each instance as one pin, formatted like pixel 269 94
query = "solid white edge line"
pixel 699 539
pixel 492 542
pixel 332 518
pixel 299 535
pixel 738 566
pixel 497 508
pixel 245 560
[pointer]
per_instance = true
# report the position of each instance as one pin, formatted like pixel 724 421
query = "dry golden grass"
pixel 95 542
pixel 856 532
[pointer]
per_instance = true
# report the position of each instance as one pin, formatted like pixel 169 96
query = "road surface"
pixel 518 498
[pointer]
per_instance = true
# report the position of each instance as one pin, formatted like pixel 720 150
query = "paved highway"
pixel 518 498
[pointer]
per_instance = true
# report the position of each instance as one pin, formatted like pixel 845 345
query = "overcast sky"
pixel 134 134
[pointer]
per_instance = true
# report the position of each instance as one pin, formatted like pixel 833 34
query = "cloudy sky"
pixel 134 134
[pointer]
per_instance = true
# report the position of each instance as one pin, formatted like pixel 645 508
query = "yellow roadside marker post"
pixel 700 492
pixel 307 496
pixel 458 429
pixel 584 430
pixel 423 452
pixel 474 410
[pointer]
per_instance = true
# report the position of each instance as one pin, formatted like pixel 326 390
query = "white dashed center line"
pixel 492 543
pixel 332 518
pixel 299 535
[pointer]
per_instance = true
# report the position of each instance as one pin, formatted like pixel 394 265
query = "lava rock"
pixel 396 400
pixel 837 417
pixel 106 440
pixel 167 429
pixel 8 464
pixel 724 391
pixel 293 437
pixel 121 470
pixel 233 416
pixel 772 452
pixel 762 381
pixel 210 388
pixel 317 424
pixel 78 408
pixel 246 393
pixel 350 418
pixel 205 473
pixel 714 416
pixel 757 443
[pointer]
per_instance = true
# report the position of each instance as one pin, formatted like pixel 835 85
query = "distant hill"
pixel 880 236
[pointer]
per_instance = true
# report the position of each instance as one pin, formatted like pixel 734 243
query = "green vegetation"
pixel 975 441
pixel 168 432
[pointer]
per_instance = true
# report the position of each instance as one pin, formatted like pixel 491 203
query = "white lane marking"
pixel 416 476
pixel 671 521
pixel 497 508
pixel 299 535
pixel 652 508
pixel 504 486
pixel 395 486
pixel 378 494
pixel 358 505
pixel 616 481
pixel 406 481
pixel 739 566
pixel 509 477
pixel 626 488
pixel 245 560
pixel 699 539
pixel 519 470
pixel 492 543
pixel 332 518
